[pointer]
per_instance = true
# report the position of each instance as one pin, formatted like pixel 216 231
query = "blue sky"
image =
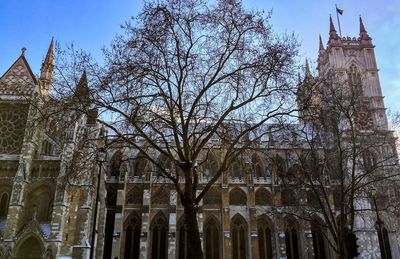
pixel 92 24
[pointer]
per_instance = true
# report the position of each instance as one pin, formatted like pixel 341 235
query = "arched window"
pixel 210 166
pixel 132 237
pixel 116 164
pixel 258 167
pixel 263 197
pixel 213 196
pixel 384 242
pixel 165 163
pixel 292 241
pixel 313 199
pixel 182 240
pixel 140 165
pixel 4 199
pixel 237 197
pixel 318 240
pixel 239 237
pixel 212 239
pixel 44 212
pixel 159 229
pixel 236 170
pixel 354 76
pixel 265 239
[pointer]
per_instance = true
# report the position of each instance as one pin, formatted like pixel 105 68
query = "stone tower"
pixel 353 59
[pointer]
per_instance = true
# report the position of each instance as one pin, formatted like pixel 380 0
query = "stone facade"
pixel 40 215
pixel 139 213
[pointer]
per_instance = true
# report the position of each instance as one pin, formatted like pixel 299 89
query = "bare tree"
pixel 342 155
pixel 185 73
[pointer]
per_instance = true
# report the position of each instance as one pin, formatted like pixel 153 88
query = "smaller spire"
pixel 321 45
pixel 363 32
pixel 331 25
pixel 332 30
pixel 362 28
pixel 49 60
pixel 23 50
pixel 82 89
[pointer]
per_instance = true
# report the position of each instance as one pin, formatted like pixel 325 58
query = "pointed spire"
pixel 47 69
pixel 362 28
pixel 332 30
pixel 363 32
pixel 321 45
pixel 82 89
pixel 331 25
pixel 50 53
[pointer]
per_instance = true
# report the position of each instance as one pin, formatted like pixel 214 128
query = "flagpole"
pixel 337 15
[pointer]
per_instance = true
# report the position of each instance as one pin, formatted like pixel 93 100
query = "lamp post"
pixel 100 158
pixel 373 192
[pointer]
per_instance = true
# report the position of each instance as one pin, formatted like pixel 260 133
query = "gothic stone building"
pixel 245 215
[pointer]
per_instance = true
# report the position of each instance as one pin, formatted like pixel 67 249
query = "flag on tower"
pixel 339 11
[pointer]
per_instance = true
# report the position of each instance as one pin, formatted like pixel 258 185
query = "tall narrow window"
pixel 132 237
pixel 292 243
pixel 212 246
pixel 210 167
pixel 239 230
pixel 264 239
pixel 159 229
pixel 182 240
pixel 354 76
pixel 44 211
pixel 384 243
pixel 257 167
pixel 318 241
pixel 4 205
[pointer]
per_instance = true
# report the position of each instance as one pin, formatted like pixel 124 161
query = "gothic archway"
pixel 239 237
pixel 30 247
pixel 132 228
pixel 212 237
pixel 265 238
pixel 159 231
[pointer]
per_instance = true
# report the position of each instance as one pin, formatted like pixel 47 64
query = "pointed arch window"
pixel 182 240
pixel 159 229
pixel 165 163
pixel 212 239
pixel 354 76
pixel 265 239
pixel 239 237
pixel 258 168
pixel 384 242
pixel 236 170
pixel 132 237
pixel 44 212
pixel 263 197
pixel 292 243
pixel 318 240
pixel 237 197
pixel 210 167
pixel 4 200
pixel 140 165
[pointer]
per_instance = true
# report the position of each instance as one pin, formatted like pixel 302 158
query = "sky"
pixel 92 24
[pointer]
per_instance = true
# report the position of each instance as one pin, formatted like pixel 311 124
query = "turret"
pixel 47 71
pixel 82 90
pixel 321 45
pixel 365 38
pixel 332 30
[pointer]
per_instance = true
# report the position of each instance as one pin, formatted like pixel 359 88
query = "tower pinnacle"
pixel 321 45
pixel 47 69
pixel 363 32
pixel 332 30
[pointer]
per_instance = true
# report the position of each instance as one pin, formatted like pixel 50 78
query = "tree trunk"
pixel 194 250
